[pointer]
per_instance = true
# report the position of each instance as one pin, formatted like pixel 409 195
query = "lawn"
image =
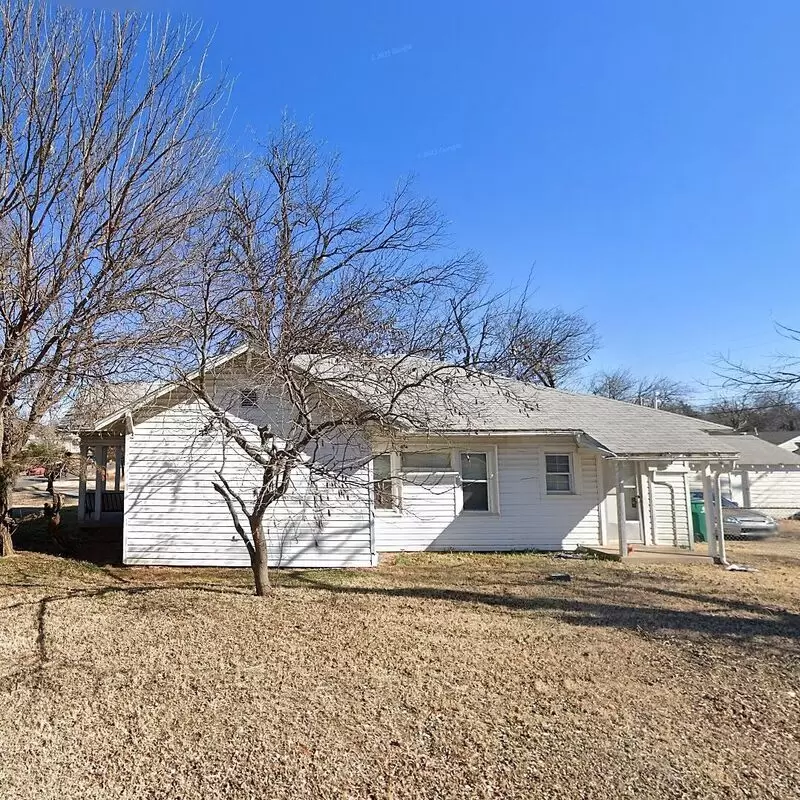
pixel 433 676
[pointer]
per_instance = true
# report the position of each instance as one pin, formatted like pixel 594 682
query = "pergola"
pixel 711 472
pixel 102 501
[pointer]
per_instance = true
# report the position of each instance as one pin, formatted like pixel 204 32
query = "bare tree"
pixel 107 138
pixel 52 454
pixel 756 410
pixel 781 373
pixel 326 294
pixel 658 392
pixel 506 333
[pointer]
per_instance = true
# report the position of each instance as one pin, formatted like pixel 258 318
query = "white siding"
pixel 732 484
pixel 774 492
pixel 667 503
pixel 528 518
pixel 173 515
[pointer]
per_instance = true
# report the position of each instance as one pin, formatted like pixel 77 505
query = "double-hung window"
pixel 559 478
pixel 383 495
pixel 475 481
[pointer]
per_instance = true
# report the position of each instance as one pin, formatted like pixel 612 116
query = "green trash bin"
pixel 699 521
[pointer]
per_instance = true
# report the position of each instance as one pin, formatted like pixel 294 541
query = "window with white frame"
pixel 559 478
pixel 248 398
pixel 383 494
pixel 426 461
pixel 475 481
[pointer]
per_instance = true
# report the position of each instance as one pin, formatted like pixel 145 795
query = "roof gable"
pixel 490 404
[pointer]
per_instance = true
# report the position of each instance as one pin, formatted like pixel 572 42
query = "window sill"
pixel 479 513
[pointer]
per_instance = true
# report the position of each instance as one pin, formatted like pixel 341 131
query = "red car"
pixel 35 472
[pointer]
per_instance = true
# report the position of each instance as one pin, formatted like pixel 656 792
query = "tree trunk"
pixel 258 560
pixel 6 542
pixel 6 485
pixel 50 482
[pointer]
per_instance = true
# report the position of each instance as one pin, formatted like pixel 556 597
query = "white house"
pixel 767 474
pixel 555 472
pixel 786 440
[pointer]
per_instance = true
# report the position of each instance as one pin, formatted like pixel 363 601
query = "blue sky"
pixel 643 155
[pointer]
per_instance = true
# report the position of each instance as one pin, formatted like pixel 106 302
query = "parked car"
pixel 743 523
pixel 35 472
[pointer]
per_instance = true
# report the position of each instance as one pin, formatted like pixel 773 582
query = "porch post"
pixel 745 488
pixel 100 460
pixel 84 453
pixel 601 501
pixel 720 519
pixel 117 467
pixel 708 507
pixel 622 533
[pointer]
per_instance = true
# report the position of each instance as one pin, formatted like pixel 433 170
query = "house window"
pixel 475 481
pixel 558 474
pixel 426 461
pixel 248 398
pixel 382 482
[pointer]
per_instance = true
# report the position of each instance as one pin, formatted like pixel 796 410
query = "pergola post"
pixel 117 467
pixel 84 454
pixel 711 517
pixel 720 519
pixel 622 533
pixel 100 461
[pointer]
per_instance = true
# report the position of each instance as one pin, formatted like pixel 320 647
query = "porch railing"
pixel 110 501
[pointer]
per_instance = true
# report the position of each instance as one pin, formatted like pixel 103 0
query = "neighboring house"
pixel 103 399
pixel 787 440
pixel 553 472
pixel 767 477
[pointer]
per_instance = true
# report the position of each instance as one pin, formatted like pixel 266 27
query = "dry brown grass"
pixel 435 676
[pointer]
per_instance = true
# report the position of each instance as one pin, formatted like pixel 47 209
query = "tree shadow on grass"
pixel 95 544
pixel 43 605
pixel 658 620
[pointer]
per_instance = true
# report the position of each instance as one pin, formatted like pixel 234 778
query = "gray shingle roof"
pixel 778 437
pixel 457 402
pixel 623 428
pixel 754 451
pixel 454 402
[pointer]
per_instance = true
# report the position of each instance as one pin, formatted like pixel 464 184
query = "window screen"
pixel 475 481
pixel 382 494
pixel 426 461
pixel 558 474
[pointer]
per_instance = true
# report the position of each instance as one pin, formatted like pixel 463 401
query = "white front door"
pixel 631 478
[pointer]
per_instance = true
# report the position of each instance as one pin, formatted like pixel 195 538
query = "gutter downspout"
pixel 674 506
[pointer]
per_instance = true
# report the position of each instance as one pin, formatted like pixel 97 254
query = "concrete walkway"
pixel 657 555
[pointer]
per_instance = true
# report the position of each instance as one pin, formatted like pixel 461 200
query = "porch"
pixel 101 482
pixel 652 553
pixel 646 510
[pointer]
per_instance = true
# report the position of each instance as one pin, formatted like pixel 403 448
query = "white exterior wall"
pixel 732 483
pixel 527 517
pixel 668 504
pixel 775 492
pixel 173 516
pixel 655 525
pixel 792 445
